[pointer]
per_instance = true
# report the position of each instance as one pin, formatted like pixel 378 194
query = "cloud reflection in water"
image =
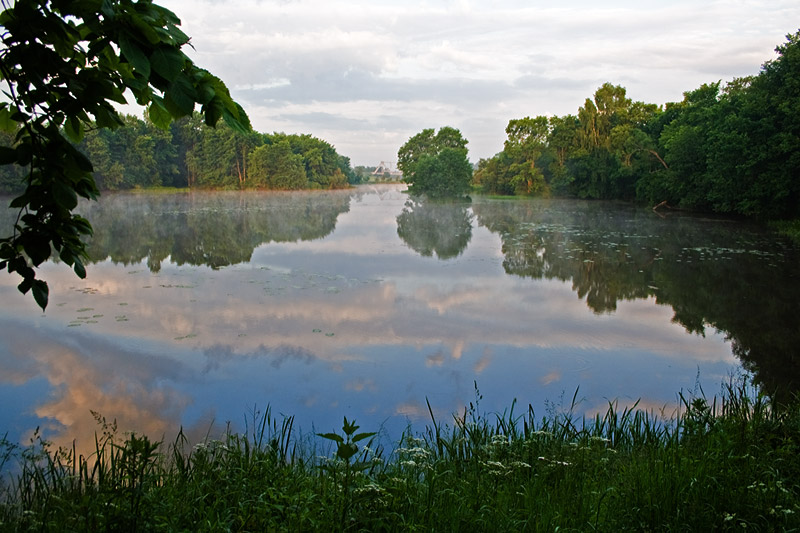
pixel 339 326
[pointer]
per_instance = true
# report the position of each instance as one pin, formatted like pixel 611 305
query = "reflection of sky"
pixel 355 324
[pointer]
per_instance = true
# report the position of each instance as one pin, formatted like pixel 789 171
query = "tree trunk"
pixel 659 159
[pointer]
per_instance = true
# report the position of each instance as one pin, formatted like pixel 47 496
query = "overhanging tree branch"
pixel 64 64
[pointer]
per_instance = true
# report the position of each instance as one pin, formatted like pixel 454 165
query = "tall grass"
pixel 789 228
pixel 725 463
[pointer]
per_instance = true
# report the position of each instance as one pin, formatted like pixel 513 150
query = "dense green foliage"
pixel 447 173
pixel 723 464
pixel 63 65
pixel 224 158
pixel 732 149
pixel 436 164
pixel 789 228
pixel 191 154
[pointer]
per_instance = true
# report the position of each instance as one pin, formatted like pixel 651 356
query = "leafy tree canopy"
pixel 726 148
pixel 427 142
pixel 446 174
pixel 63 65
pixel 436 164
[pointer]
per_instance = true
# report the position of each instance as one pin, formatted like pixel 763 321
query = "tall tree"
pixel 561 141
pixel 527 141
pixel 494 175
pixel 63 64
pixel 436 165
pixel 427 142
pixel 276 166
pixel 446 174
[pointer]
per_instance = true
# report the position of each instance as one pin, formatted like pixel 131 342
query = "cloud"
pixel 464 63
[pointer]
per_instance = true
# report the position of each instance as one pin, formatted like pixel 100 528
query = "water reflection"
pixel 200 228
pixel 202 306
pixel 86 375
pixel 433 227
pixel 728 276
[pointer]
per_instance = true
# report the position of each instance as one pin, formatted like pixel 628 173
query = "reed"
pixel 728 462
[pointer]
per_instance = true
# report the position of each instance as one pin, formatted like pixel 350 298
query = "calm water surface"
pixel 202 308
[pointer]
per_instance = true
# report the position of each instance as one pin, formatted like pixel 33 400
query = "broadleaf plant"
pixel 62 67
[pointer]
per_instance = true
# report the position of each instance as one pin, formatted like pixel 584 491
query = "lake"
pixel 202 308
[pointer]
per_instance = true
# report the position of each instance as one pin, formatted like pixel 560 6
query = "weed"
pixel 720 463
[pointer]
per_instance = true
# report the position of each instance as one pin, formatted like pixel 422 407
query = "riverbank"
pixel 718 464
pixel 789 228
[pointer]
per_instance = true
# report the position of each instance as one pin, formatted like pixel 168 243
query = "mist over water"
pixel 206 307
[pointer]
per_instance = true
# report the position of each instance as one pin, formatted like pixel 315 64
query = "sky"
pixel 366 76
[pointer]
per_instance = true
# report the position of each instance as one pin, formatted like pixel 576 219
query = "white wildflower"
pixel 499 440
pixel 421 452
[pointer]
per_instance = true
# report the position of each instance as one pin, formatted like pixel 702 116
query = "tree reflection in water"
pixel 438 228
pixel 733 277
pixel 716 275
pixel 214 229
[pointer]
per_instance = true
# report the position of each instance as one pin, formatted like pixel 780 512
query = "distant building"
pixel 386 172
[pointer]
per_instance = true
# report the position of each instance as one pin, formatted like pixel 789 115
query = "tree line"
pixel 140 154
pixel 732 148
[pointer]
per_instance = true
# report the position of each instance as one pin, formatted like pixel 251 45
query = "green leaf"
pixel 74 129
pixel 25 285
pixel 179 98
pixel 349 427
pixel 205 92
pixel 41 293
pixel 362 436
pixel 7 155
pixel 20 265
pixel 24 152
pixel 331 436
pixel 238 122
pixel 64 195
pixel 38 251
pixel 168 62
pixel 134 55
pixel 20 201
pixel 67 256
pixel 7 124
pixel 82 225
pixel 159 114
pixel 346 451
pixel 81 160
pixel 79 269
pixel 213 112
pixel 146 28
pixel 107 118
pixel 177 35
pixel 168 15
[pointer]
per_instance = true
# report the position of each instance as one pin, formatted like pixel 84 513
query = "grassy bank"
pixel 789 228
pixel 728 463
